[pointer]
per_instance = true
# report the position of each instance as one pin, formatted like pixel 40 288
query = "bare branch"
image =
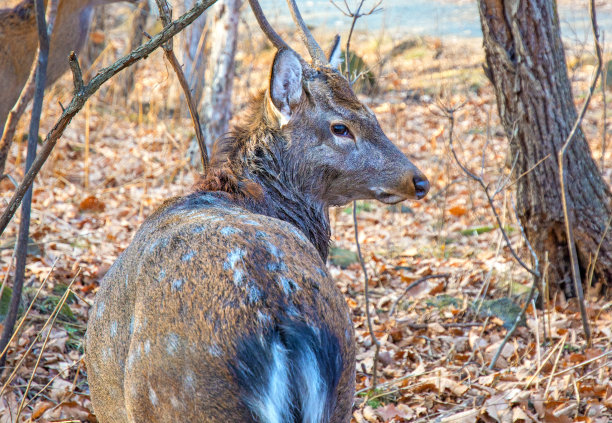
pixel 24 223
pixel 79 99
pixel 367 303
pixel 449 113
pixel 77 74
pixel 355 15
pixel 570 218
pixel 165 13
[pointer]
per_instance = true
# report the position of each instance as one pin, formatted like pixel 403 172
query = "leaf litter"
pixel 439 340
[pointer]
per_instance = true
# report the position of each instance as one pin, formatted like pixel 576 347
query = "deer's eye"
pixel 341 130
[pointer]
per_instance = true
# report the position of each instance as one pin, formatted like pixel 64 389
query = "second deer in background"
pixel 221 309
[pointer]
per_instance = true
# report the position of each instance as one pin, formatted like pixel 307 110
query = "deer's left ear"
pixel 333 56
pixel 285 83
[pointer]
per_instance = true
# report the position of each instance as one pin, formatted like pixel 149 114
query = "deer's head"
pixel 334 141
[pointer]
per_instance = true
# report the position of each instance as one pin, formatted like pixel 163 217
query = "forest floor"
pixel 117 162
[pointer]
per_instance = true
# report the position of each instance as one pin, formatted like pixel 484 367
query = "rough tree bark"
pixel 192 43
pixel 216 103
pixel 526 64
pixel 217 106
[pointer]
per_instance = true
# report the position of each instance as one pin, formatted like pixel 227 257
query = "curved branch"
pixel 81 96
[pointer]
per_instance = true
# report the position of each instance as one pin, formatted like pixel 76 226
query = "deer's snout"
pixel 421 185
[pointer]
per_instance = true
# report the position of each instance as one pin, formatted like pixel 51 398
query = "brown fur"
pixel 19 42
pixel 131 333
pixel 239 258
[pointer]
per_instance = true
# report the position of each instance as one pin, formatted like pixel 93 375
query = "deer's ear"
pixel 286 82
pixel 333 56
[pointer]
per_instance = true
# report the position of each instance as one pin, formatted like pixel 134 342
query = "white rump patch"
pixel 314 392
pixel 274 404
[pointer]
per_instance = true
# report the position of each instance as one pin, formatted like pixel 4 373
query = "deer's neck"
pixel 283 198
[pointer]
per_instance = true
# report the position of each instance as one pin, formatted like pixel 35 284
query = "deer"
pixel 19 42
pixel 222 309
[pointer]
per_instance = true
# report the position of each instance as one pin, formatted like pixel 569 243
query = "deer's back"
pixel 213 313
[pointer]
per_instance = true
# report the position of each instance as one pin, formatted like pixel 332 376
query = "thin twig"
pixel 53 318
pixel 569 219
pixel 354 15
pixel 80 97
pixel 26 207
pixel 412 285
pixel 449 113
pixel 604 119
pixel 27 312
pixel 27 352
pixel 367 302
pixel 165 14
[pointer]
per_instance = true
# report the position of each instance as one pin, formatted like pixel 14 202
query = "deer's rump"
pixel 214 312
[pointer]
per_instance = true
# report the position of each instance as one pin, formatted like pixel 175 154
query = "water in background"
pixel 437 18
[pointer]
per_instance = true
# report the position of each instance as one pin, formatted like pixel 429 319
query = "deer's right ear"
pixel 286 82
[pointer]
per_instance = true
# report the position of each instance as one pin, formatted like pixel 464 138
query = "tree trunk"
pixel 192 44
pixel 138 25
pixel 217 100
pixel 217 107
pixel 526 64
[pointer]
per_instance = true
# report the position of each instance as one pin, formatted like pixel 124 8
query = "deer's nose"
pixel 421 186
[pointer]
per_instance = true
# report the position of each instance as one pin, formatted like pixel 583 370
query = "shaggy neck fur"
pixel 254 166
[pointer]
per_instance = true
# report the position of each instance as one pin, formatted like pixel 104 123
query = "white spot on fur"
pixel 215 350
pixel 106 354
pixel 251 222
pixel 228 230
pixel 113 328
pixel 132 324
pixel 263 318
pixel 175 402
pixel 100 309
pixel 274 250
pixel 177 285
pixel 254 293
pixel 198 229
pixel 159 242
pixel 153 397
pixel 147 347
pixel 126 281
pixel 188 255
pixel 161 275
pixel 298 233
pixel 133 356
pixel 238 276
pixel 233 257
pixel 276 267
pixel 173 343
pixel 189 381
pixel 288 284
